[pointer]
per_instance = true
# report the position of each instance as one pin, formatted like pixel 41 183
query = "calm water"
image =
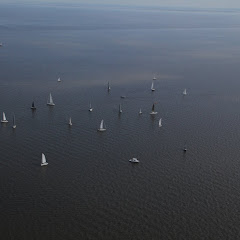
pixel 89 190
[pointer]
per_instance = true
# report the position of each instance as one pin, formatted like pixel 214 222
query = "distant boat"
pixel 160 122
pixel 154 78
pixel 108 87
pixel 33 106
pixel 123 96
pixel 140 111
pixel 90 107
pixel 153 111
pixel 134 160
pixel 101 128
pixel 44 161
pixel 4 119
pixel 14 122
pixel 185 147
pixel 59 80
pixel 50 103
pixel 70 122
pixel 152 87
pixel 120 108
pixel 185 91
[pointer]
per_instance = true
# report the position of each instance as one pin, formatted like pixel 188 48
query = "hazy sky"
pixel 172 3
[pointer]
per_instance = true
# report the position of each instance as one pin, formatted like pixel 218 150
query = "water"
pixel 89 190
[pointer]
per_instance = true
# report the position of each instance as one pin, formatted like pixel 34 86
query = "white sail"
pixel 101 128
pixel 14 122
pixel 50 103
pixel 44 161
pixel 109 88
pixel 185 91
pixel 70 121
pixel 160 122
pixel 59 80
pixel 90 107
pixel 140 111
pixel 120 108
pixel 4 119
pixel 152 87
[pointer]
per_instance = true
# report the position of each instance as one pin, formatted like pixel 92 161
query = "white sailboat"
pixel 70 121
pixel 134 160
pixel 101 128
pixel 44 161
pixel 120 108
pixel 160 122
pixel 154 78
pixel 14 122
pixel 185 91
pixel 4 119
pixel 50 103
pixel 59 79
pixel 140 111
pixel 108 87
pixel 153 111
pixel 152 87
pixel 90 107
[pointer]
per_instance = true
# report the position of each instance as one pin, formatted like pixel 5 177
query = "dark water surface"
pixel 89 190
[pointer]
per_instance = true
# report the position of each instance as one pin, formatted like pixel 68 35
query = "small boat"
pixel 154 78
pixel 4 119
pixel 185 147
pixel 152 87
pixel 33 106
pixel 70 122
pixel 120 108
pixel 50 102
pixel 185 91
pixel 140 111
pixel 108 87
pixel 160 122
pixel 44 161
pixel 153 111
pixel 134 160
pixel 90 107
pixel 123 96
pixel 14 122
pixel 59 80
pixel 101 128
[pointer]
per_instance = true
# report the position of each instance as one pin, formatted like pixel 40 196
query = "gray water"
pixel 89 190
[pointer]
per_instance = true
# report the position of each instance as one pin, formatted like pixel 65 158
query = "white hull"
pixel 44 164
pixel 90 109
pixel 50 104
pixel 4 121
pixel 14 126
pixel 102 129
pixel 153 113
pixel 134 160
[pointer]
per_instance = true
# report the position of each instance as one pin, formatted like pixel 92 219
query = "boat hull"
pixel 44 164
pixel 4 121
pixel 51 104
pixel 102 129
pixel 153 113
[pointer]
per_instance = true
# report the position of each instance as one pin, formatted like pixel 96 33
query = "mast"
pixel 153 108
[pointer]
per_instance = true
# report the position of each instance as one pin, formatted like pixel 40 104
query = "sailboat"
pixel 50 103
pixel 70 121
pixel 59 79
pixel 153 111
pixel 140 111
pixel 134 160
pixel 101 128
pixel 160 122
pixel 108 87
pixel 185 147
pixel 120 108
pixel 185 91
pixel 44 161
pixel 154 78
pixel 14 122
pixel 152 87
pixel 90 107
pixel 4 119
pixel 33 106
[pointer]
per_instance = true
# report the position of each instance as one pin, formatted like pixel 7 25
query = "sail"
pixel 109 86
pixel 153 108
pixel 70 121
pixel 185 91
pixel 101 125
pixel 33 105
pixel 43 158
pixel 160 122
pixel 120 108
pixel 4 117
pixel 50 99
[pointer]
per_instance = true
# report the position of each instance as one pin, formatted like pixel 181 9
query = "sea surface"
pixel 90 190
